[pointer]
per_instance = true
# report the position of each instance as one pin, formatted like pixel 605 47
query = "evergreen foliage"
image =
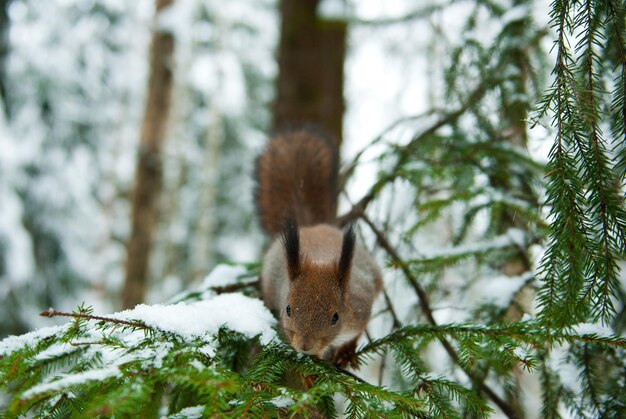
pixel 111 366
pixel 98 366
pixel 540 258
pixel 585 188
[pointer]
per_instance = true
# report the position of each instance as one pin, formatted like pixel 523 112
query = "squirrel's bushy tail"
pixel 296 176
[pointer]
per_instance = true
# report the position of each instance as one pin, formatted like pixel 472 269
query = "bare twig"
pixel 359 207
pixel 396 322
pixel 95 342
pixel 54 313
pixel 234 287
pixel 422 13
pixel 406 151
pixel 351 375
pixel 381 369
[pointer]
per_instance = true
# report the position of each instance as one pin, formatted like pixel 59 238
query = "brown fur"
pixel 296 176
pixel 313 270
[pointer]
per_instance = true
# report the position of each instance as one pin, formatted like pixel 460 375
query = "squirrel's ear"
pixel 291 244
pixel 345 260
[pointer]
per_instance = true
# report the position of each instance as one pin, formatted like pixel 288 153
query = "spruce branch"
pixel 563 264
pixel 609 218
pixel 428 312
pixel 616 55
pixel 588 228
pixel 530 333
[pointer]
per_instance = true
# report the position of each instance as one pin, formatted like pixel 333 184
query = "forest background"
pixel 483 159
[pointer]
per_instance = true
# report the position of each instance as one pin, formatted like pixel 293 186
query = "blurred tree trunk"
pixel 148 176
pixel 4 53
pixel 515 108
pixel 311 56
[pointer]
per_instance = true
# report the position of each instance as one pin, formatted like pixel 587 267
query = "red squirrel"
pixel 316 276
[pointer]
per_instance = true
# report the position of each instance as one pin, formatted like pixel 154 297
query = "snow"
pixel 223 275
pixel 72 380
pixel 62 156
pixel 521 353
pixel 221 73
pixel 208 350
pixel 153 355
pixel 202 319
pixel 515 14
pixel 14 238
pixel 194 412
pixel 173 18
pixel 282 402
pixel 498 290
pixel 199 74
pixel 517 236
pixel 14 343
pixel 561 362
pixel 594 329
pixel 239 313
pixel 333 9
pixel 55 351
pixel 198 365
pixel 566 370
pixel 497 242
pixel 18 247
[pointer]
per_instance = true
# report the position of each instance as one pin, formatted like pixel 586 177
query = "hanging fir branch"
pixel 588 226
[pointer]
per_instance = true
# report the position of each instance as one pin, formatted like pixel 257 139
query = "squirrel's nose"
pixel 303 344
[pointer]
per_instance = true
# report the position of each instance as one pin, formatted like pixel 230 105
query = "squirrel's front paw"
pixel 346 356
pixel 308 381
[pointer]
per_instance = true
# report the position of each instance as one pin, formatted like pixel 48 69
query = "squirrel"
pixel 316 277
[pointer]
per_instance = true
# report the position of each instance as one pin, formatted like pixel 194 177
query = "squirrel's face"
pixel 312 317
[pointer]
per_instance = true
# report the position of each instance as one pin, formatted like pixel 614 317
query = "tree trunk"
pixel 515 113
pixel 4 53
pixel 311 56
pixel 148 176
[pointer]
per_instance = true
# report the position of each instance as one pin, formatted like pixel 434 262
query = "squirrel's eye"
pixel 334 319
pixel 288 309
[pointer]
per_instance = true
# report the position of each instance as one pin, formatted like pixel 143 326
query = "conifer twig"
pixel 394 316
pixel 59 402
pixel 407 150
pixel 352 375
pixel 421 13
pixel 428 312
pixel 86 343
pixel 234 287
pixel 54 313
pixel 519 332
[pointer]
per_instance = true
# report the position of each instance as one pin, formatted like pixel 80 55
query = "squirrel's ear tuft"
pixel 345 260
pixel 291 244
